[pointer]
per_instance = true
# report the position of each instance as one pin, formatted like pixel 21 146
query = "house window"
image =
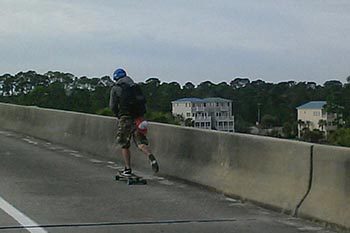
pixel 188 114
pixel 316 113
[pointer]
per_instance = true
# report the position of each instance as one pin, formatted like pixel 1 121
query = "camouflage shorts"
pixel 126 131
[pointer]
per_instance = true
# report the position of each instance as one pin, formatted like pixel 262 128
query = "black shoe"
pixel 126 172
pixel 155 166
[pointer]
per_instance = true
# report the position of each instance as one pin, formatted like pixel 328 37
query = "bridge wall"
pixel 295 177
pixel 329 197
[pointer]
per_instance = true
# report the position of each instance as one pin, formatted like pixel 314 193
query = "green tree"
pixel 80 101
pixel 239 83
pixel 161 117
pixel 37 97
pixel 322 124
pixel 189 86
pixel 289 130
pixel 312 136
pixel 205 89
pixel 8 85
pixel 340 137
pixel 268 121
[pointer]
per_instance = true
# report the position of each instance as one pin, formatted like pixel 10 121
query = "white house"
pixel 312 115
pixel 208 113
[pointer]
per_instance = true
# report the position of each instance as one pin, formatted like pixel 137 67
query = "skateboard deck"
pixel 132 179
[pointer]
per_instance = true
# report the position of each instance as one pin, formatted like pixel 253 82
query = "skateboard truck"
pixel 130 180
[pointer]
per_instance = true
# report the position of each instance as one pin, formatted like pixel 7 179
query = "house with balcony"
pixel 208 113
pixel 312 115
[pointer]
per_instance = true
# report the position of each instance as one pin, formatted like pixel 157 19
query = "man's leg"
pixel 126 157
pixel 123 139
pixel 142 143
pixel 146 150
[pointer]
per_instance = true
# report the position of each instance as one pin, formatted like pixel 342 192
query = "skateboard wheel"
pixel 144 181
pixel 116 177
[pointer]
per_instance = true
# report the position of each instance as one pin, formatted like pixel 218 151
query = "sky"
pixel 179 40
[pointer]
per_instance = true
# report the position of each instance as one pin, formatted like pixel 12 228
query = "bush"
pixel 105 112
pixel 161 117
pixel 290 130
pixel 312 136
pixel 341 137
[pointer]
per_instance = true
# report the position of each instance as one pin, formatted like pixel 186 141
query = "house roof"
pixel 216 99
pixel 312 105
pixel 197 100
pixel 188 100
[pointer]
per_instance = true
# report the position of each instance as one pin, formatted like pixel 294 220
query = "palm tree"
pixel 301 125
pixel 322 123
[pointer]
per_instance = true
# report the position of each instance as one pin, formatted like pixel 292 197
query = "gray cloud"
pixel 179 40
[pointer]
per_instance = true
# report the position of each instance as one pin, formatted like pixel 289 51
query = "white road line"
pixel 115 167
pixel 70 151
pixel 29 141
pixel 166 182
pixel 5 133
pixel 95 161
pixel 76 155
pixel 20 217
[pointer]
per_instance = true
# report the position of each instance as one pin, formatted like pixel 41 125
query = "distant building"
pixel 208 113
pixel 312 115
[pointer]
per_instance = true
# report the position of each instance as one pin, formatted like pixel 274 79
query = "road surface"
pixel 50 188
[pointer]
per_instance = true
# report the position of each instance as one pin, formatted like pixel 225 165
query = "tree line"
pixel 270 104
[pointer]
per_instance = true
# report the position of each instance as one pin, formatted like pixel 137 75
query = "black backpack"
pixel 132 100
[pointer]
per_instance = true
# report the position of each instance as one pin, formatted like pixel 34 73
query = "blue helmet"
pixel 118 74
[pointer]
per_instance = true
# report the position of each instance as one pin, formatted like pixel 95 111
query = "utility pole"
pixel 258 118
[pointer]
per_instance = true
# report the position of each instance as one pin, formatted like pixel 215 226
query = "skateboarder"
pixel 129 104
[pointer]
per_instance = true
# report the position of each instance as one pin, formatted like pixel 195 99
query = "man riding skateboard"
pixel 129 104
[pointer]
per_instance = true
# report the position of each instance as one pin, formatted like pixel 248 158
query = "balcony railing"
pixel 211 109
pixel 198 109
pixel 224 118
pixel 203 118
pixel 224 108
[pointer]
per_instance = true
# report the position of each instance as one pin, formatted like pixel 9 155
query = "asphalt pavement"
pixel 51 188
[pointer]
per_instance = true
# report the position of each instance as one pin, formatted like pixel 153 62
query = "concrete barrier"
pixel 329 198
pixel 266 170
pixel 91 133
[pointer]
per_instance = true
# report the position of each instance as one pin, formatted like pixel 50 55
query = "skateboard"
pixel 132 179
